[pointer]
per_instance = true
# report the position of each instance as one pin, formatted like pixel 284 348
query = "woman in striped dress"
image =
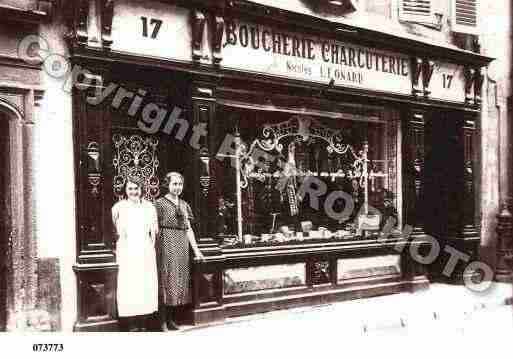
pixel 175 236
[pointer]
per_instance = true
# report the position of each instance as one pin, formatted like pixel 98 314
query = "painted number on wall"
pixel 155 23
pixel 446 81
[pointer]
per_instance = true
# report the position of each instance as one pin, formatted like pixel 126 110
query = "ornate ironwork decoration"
pixel 205 175
pixel 300 128
pixel 136 156
pixel 93 167
pixel 321 272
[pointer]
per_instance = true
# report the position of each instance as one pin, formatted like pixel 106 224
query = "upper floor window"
pixel 463 14
pixel 420 11
pixel 336 7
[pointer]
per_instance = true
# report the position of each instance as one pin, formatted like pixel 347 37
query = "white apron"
pixel 136 224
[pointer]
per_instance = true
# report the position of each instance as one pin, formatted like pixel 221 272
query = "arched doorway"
pixel 18 288
pixel 4 216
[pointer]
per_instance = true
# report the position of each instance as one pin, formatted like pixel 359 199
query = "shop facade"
pixel 304 130
pixel 299 138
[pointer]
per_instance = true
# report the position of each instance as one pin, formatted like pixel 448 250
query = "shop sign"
pixel 157 29
pixel 267 50
pixel 448 82
pixel 151 28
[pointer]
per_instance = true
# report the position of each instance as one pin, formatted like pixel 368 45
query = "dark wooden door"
pixel 4 218
pixel 443 190
pixel 445 168
pixel 435 194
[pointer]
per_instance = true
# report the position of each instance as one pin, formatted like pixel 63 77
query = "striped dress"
pixel 173 252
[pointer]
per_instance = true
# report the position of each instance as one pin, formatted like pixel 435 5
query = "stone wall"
pixel 41 175
pixel 495 147
pixel 19 87
pixel 55 179
pixel 49 297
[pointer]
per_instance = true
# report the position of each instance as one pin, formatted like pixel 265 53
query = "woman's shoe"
pixel 172 325
pixel 131 325
pixel 163 320
pixel 141 323
pixel 164 327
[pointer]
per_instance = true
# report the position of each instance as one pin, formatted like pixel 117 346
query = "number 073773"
pixel 47 347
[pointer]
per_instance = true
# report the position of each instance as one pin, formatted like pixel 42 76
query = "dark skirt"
pixel 174 267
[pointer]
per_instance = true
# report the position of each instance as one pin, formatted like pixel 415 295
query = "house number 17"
pixel 156 23
pixel 446 79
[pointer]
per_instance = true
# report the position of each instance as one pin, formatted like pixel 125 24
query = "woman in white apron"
pixel 136 223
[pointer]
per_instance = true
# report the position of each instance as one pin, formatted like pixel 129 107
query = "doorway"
pixel 443 190
pixel 443 175
pixel 4 217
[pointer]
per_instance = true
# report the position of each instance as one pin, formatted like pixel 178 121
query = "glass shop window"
pixel 283 177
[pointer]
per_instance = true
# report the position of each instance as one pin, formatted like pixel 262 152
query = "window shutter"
pixel 465 16
pixel 416 11
pixel 335 7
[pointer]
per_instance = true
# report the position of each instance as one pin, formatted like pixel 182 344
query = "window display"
pixel 293 178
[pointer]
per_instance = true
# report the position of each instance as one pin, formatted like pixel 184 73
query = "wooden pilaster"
pixel 95 267
pixel 413 168
pixel 503 271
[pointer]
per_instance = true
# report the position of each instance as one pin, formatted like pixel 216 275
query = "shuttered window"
pixel 416 11
pixel 465 16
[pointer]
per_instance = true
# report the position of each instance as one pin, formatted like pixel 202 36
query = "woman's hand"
pixel 199 257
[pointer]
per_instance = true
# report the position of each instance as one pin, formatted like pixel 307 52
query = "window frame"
pixel 385 119
pixel 464 29
pixel 417 18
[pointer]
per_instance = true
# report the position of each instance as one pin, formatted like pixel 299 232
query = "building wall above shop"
pixel 436 24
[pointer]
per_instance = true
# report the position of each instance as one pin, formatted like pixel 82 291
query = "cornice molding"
pixel 349 33
pixel 41 12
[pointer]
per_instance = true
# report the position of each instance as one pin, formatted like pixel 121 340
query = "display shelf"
pixel 252 279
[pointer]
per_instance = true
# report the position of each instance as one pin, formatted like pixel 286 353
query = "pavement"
pixel 443 317
pixel 444 321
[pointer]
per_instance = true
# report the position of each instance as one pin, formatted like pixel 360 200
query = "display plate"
pixel 265 277
pixel 352 268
